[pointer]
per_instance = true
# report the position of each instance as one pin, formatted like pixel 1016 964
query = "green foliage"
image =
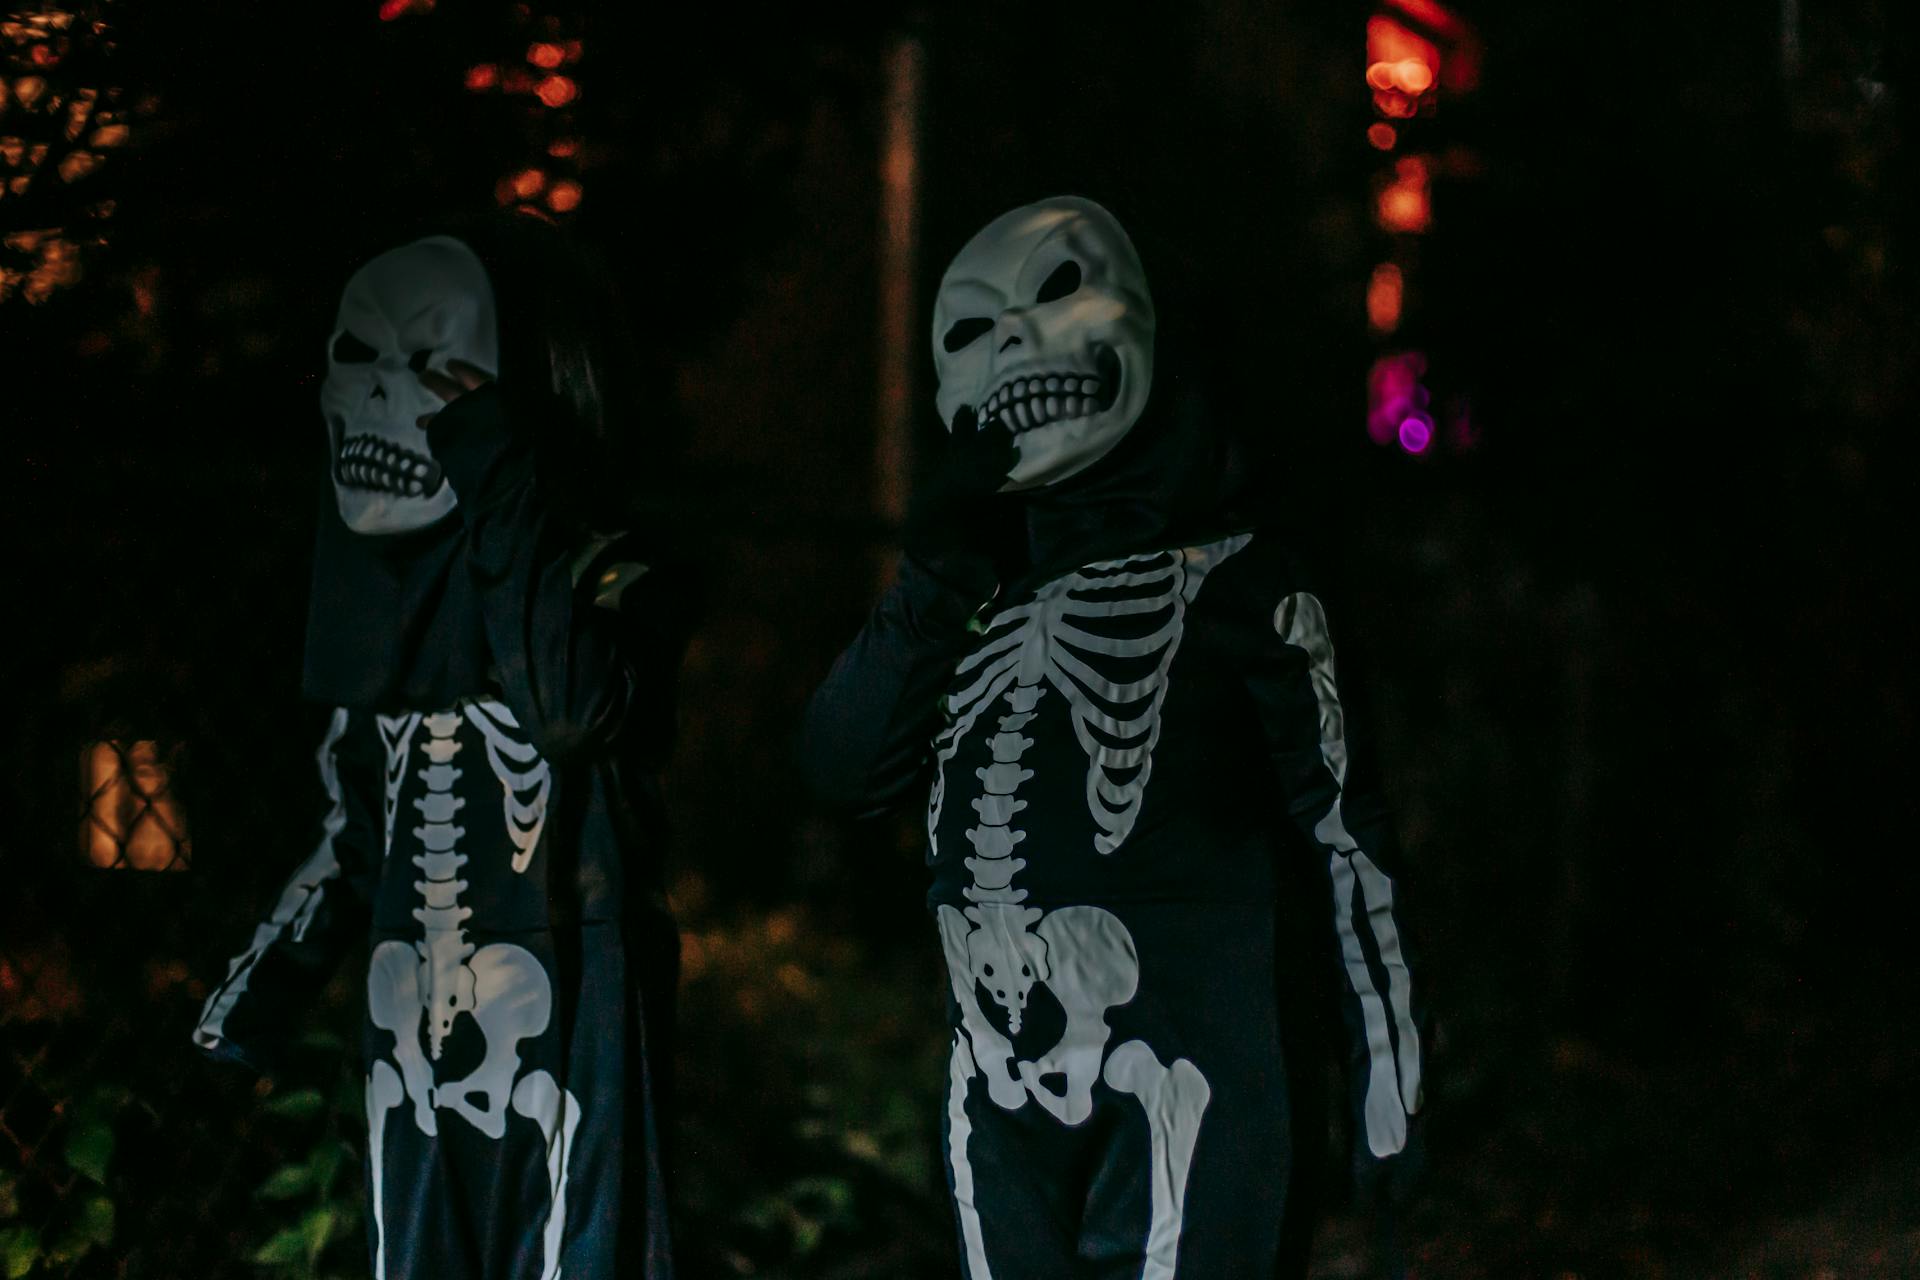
pixel 19 1251
pixel 65 1228
pixel 808 1106
pixel 299 1104
pixel 310 1206
pixel 298 1248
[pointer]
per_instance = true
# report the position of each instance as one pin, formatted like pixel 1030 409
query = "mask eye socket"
pixel 964 332
pixel 348 349
pixel 418 360
pixel 1063 282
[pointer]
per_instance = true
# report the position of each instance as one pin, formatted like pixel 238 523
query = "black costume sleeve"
pixel 1287 656
pixel 571 628
pixel 865 739
pixel 322 913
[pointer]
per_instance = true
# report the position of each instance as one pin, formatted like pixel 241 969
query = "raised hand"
pixel 960 526
pixel 459 379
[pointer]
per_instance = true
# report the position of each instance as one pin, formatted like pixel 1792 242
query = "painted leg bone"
pixel 384 1093
pixel 1174 1098
pixel 960 1070
pixel 557 1112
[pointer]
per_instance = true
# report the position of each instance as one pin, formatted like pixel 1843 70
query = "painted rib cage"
pixel 1102 637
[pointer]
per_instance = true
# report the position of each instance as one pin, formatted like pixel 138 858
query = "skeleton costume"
pixel 1109 748
pixel 502 699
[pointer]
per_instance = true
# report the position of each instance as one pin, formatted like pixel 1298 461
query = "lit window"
pixel 131 819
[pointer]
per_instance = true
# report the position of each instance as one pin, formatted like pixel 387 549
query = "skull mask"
pixel 411 308
pixel 1044 322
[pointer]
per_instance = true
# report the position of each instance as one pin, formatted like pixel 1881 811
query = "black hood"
pixel 1167 483
pixel 392 621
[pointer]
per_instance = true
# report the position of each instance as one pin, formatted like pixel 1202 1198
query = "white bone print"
pixel 1121 615
pixel 1393 1081
pixel 522 772
pixel 502 987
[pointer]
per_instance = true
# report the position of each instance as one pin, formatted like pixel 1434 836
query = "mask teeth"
pixel 368 462
pixel 1034 401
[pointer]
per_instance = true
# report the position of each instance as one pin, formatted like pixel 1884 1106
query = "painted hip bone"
pixel 1122 613
pixel 502 987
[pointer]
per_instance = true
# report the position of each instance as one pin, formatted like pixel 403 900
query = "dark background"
pixel 1640 651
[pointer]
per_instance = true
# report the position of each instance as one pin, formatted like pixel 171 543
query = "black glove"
pixel 475 444
pixel 961 528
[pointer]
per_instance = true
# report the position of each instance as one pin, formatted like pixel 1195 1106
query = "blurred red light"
pixel 1395 105
pixel 1394 43
pixel 1384 292
pixel 1382 136
pixel 1434 16
pixel 482 77
pixel 1405 204
pixel 557 91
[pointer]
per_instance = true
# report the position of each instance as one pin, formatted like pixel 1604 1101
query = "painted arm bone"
pixel 322 912
pixel 1292 680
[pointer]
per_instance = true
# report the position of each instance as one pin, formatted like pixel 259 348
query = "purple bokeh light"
pixel 1416 433
pixel 1395 394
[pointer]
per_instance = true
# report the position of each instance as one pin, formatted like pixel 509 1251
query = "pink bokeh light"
pixel 1395 393
pixel 1416 433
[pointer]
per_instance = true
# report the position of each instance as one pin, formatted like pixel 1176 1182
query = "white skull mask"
pixel 1044 321
pixel 412 308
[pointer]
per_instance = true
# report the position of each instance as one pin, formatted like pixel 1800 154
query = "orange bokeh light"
pixel 1384 293
pixel 1409 75
pixel 1395 42
pixel 563 148
pixel 528 183
pixel 1402 67
pixel 1382 136
pixel 564 197
pixel 482 77
pixel 557 91
pixel 1395 105
pixel 1405 204
pixel 546 56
